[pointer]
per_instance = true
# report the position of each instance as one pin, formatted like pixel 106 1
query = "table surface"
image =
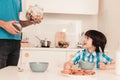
pixel 12 73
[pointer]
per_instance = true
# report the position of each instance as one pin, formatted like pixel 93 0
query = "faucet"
pixel 79 44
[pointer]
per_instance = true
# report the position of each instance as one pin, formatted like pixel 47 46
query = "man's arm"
pixel 26 23
pixel 2 23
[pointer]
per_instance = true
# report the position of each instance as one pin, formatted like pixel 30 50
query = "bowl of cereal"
pixel 85 65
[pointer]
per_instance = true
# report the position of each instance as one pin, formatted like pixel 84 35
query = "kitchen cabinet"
pixel 89 7
pixel 54 57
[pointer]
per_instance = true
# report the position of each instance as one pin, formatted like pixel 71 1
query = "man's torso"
pixel 9 12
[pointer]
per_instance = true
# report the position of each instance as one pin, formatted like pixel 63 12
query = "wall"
pixel 52 23
pixel 109 23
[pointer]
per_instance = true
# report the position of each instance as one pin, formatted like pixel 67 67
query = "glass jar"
pixel 34 13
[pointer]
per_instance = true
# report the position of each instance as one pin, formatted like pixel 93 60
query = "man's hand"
pixel 10 28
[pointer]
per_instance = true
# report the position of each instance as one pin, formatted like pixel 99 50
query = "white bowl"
pixel 38 66
pixel 86 65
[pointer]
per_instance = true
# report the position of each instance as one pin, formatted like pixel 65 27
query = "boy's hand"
pixel 71 56
pixel 68 65
pixel 107 66
pixel 102 66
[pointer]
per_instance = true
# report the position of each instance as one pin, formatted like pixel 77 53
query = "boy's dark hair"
pixel 99 39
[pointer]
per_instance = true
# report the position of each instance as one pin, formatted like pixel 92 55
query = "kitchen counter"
pixel 12 73
pixel 56 56
pixel 50 49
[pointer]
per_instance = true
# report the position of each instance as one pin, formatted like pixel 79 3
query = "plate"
pixel 80 77
pixel 82 73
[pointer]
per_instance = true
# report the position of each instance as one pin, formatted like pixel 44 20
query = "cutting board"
pixel 59 36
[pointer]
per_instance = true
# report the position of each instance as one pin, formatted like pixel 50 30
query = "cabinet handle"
pixel 27 55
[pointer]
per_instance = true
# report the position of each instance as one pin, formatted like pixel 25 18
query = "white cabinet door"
pixel 55 58
pixel 67 6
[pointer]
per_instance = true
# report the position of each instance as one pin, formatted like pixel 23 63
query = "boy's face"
pixel 87 42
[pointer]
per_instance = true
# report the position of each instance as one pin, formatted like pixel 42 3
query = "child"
pixel 94 45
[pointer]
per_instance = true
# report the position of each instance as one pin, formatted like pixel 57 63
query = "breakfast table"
pixel 12 73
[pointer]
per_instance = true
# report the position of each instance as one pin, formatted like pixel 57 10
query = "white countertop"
pixel 50 49
pixel 12 73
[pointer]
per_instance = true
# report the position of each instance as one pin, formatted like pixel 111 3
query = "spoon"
pixel 101 54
